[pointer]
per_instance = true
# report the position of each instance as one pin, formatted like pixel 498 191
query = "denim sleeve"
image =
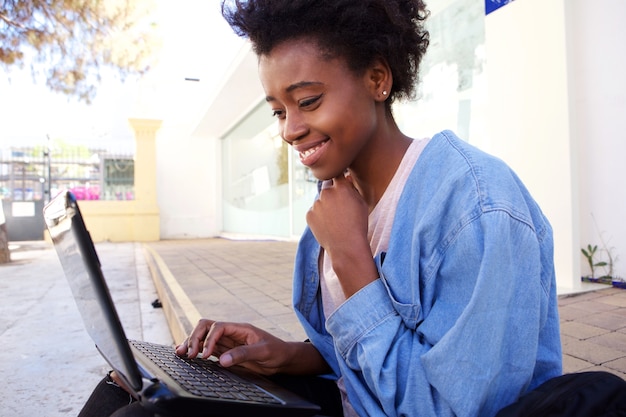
pixel 475 345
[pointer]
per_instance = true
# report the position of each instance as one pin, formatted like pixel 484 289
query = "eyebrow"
pixel 295 86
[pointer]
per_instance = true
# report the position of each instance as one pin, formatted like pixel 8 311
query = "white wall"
pixel 555 111
pixel 187 188
pixel 528 120
pixel 557 115
pixel 596 35
pixel 199 45
pixel 187 166
pixel 189 155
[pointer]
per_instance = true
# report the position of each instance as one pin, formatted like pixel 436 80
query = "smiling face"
pixel 326 112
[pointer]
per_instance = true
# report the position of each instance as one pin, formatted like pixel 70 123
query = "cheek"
pixel 352 118
pixel 359 126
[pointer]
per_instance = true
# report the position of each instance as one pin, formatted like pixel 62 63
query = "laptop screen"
pixel 82 269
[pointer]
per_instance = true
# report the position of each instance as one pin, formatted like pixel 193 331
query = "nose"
pixel 292 127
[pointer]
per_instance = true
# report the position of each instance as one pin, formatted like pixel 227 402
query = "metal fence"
pixel 37 173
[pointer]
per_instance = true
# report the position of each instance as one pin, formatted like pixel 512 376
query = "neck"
pixel 378 164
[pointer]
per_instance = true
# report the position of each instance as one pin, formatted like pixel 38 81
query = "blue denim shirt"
pixel 463 318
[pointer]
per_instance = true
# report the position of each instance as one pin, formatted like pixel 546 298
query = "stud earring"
pixel 384 92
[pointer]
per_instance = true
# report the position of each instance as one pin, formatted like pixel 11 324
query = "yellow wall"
pixel 120 221
pixel 137 220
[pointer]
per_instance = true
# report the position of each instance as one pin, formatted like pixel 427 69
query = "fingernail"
pixel 226 359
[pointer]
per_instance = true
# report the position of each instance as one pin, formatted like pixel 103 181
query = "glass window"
pixel 266 191
pixel 452 89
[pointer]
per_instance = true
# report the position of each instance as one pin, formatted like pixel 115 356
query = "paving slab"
pixel 226 280
pixel 41 332
pixel 251 281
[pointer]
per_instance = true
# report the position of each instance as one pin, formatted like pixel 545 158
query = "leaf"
pixel 69 43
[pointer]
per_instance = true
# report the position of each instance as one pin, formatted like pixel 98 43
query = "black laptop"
pixel 162 381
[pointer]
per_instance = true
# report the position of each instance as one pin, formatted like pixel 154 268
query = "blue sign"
pixel 493 5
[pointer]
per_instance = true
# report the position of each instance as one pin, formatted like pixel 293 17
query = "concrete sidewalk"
pixel 48 362
pixel 251 281
pixel 226 280
pixel 51 365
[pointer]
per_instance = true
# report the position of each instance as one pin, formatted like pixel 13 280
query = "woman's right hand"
pixel 248 346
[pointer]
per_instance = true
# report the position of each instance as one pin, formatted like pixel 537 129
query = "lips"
pixel 311 155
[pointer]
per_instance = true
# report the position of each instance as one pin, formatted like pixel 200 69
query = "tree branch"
pixel 11 22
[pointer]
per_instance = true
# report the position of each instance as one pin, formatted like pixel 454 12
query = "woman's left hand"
pixel 339 221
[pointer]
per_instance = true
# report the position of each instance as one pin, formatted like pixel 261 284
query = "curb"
pixel 180 312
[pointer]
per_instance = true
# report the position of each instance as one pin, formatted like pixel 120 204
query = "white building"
pixel 538 83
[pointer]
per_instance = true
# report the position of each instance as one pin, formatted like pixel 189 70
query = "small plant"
pixel 609 253
pixel 590 253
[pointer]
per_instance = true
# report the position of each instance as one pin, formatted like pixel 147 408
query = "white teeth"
pixel 308 152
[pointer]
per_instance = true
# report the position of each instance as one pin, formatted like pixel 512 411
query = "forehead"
pixel 294 61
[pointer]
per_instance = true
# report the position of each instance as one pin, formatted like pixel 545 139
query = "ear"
pixel 379 79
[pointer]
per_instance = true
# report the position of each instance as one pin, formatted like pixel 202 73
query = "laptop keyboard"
pixel 203 377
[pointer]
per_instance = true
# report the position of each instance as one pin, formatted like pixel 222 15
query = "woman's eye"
pixel 308 102
pixel 277 113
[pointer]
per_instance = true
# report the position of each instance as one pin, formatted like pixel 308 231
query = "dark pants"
pixel 109 400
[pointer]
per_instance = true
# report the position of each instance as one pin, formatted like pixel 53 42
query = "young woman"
pixel 425 279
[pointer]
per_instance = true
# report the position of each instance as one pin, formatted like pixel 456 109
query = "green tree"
pixel 69 42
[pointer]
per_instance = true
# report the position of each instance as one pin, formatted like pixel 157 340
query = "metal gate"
pixel 29 176
pixel 22 185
